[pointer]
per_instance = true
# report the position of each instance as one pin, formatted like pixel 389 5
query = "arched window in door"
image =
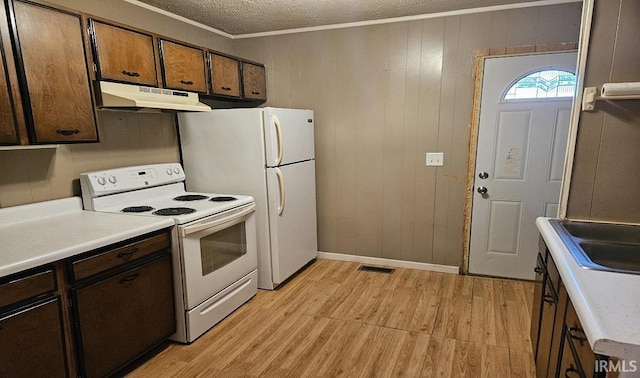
pixel 548 83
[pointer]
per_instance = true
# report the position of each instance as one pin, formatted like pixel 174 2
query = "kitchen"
pixel 423 209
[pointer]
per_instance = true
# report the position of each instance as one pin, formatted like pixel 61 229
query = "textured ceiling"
pixel 255 16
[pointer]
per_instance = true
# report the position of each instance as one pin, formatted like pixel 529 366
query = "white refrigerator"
pixel 267 153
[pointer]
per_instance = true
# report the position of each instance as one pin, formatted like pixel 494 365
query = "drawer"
pixel 121 255
pixel 18 287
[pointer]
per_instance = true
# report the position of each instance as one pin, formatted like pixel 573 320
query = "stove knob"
pixel 169 171
pixel 102 180
pixel 176 170
pixel 112 179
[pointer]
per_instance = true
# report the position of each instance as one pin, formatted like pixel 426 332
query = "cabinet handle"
pixel 570 371
pixel 538 270
pixel 573 334
pixel 130 73
pixel 225 88
pixel 129 278
pixel 188 82
pixel 67 132
pixel 255 93
pixel 127 255
pixel 549 299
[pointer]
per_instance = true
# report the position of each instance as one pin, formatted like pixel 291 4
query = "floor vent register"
pixel 376 269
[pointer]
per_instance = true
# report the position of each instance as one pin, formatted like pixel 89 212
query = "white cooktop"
pixel 163 197
pixel 151 188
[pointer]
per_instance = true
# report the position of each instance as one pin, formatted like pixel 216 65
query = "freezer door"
pixel 288 136
pixel 292 217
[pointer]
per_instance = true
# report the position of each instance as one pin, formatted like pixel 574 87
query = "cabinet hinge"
pixel 95 68
pixel 70 302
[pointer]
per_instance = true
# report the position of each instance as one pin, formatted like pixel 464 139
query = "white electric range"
pixel 214 246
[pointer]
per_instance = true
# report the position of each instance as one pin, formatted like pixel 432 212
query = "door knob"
pixel 483 175
pixel 482 190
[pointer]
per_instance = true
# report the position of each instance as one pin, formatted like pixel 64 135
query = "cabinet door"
pixel 123 54
pixel 556 342
pixel 8 125
pixel 183 67
pixel 254 85
pixel 120 318
pixel 536 313
pixel 569 366
pixel 549 302
pixel 225 75
pixel 32 344
pixel 58 100
pixel 12 125
pixel 578 339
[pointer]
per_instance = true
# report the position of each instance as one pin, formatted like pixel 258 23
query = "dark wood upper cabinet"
pixel 48 62
pixel 13 128
pixel 8 126
pixel 52 62
pixel 183 67
pixel 225 75
pixel 123 55
pixel 254 81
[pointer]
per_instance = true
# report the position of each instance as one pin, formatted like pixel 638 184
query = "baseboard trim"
pixel 389 262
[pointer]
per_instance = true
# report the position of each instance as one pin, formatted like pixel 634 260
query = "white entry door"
pixel 519 162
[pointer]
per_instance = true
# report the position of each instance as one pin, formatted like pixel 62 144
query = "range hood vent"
pixel 119 96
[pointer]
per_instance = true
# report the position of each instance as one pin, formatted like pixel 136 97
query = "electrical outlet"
pixel 435 159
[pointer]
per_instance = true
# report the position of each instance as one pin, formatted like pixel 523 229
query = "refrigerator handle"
pixel 276 123
pixel 281 187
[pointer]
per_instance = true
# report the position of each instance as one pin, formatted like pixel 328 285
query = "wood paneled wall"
pixel 605 179
pixel 125 138
pixel 383 96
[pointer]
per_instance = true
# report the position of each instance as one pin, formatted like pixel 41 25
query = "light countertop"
pixel 607 303
pixel 40 233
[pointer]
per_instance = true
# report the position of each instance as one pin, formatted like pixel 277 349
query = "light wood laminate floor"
pixel 333 320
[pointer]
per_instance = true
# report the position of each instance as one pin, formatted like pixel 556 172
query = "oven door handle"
pixel 203 226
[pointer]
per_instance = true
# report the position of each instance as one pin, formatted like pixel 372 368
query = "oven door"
pixel 217 251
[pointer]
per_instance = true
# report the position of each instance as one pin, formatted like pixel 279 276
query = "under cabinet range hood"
pixel 117 96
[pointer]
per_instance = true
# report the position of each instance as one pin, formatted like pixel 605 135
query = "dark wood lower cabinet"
pixel 540 270
pixel 31 341
pixel 545 338
pixel 121 317
pixel 569 366
pixel 561 348
pixel 87 316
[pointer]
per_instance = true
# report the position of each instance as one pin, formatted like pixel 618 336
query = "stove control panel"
pixel 100 183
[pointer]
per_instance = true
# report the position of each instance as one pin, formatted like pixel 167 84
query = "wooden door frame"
pixel 480 57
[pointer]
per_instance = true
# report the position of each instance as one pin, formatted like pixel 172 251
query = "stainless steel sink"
pixel 601 246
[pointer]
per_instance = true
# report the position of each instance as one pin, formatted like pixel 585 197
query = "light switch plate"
pixel 435 159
